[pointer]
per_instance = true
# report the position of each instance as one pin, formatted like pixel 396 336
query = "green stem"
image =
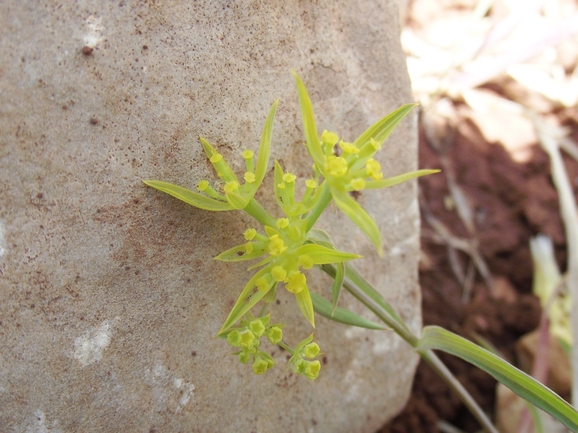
pixel 287 348
pixel 440 368
pixel 395 323
pixel 316 212
pixel 259 213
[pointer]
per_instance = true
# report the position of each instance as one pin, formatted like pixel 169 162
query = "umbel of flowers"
pixel 289 246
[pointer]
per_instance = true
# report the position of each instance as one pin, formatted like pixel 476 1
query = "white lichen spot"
pixel 2 240
pixel 169 391
pixel 38 424
pixel 94 31
pixel 89 348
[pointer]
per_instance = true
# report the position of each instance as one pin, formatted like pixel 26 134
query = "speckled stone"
pixel 109 298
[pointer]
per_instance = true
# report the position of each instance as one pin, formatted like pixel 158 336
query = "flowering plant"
pixel 290 246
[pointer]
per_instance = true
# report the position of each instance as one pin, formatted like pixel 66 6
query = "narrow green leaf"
pixel 385 183
pixel 209 150
pixel 359 217
pixel 306 305
pixel 355 277
pixel 337 285
pixel 341 315
pixel 247 300
pixel 319 237
pixel 237 201
pixel 322 255
pixel 221 167
pixel 189 197
pixel 434 337
pixel 261 263
pixel 239 254
pixel 280 194
pixel 309 127
pixel 381 129
pixel 265 146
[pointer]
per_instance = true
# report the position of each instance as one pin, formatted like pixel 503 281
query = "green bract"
pixel 289 246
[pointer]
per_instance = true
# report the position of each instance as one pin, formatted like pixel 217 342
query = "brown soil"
pixel 510 203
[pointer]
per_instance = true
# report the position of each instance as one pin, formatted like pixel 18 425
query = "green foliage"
pixel 289 247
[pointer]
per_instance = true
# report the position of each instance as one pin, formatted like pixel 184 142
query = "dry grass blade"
pixel 549 137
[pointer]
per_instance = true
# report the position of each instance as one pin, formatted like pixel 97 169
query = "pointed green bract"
pixel 265 146
pixel 337 285
pixel 323 307
pixel 247 300
pixel 322 255
pixel 385 183
pixel 381 129
pixel 359 217
pixel 237 201
pixel 309 126
pixel 190 197
pixel 306 305
pixel 239 254
pixel 280 194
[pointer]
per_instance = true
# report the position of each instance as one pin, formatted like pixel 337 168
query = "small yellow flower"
pixel 348 147
pixel 336 166
pixel 217 157
pixel 231 186
pixel 373 169
pixel 279 274
pixel 203 185
pixel 247 154
pixel 329 137
pixel 296 282
pixel 250 234
pixel 260 366
pixel 276 246
pixel 249 177
pixel 357 184
pixel 310 183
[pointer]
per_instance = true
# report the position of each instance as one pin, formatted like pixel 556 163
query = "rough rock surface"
pixel 109 298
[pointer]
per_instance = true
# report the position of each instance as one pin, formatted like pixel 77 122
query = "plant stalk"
pixel 412 340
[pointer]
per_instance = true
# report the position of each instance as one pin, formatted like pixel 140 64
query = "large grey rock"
pixel 109 298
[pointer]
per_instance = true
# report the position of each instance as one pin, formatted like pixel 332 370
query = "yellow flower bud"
pixel 248 154
pixel 217 157
pixel 282 223
pixel 289 177
pixel 203 185
pixel 336 166
pixel 249 177
pixel 373 169
pixel 279 274
pixel 348 147
pixel 250 234
pixel 260 366
pixel 357 184
pixel 310 183
pixel 276 246
pixel 296 282
pixel 312 369
pixel 231 186
pixel 329 137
